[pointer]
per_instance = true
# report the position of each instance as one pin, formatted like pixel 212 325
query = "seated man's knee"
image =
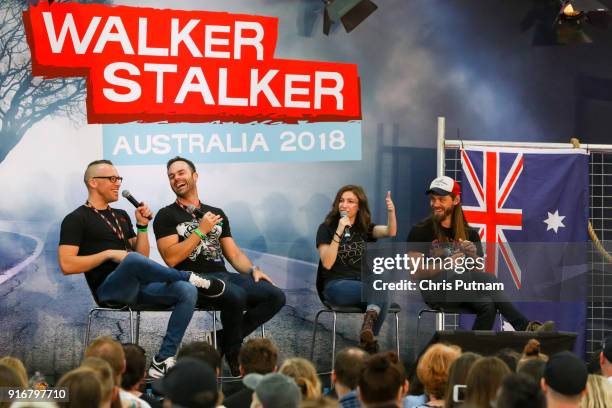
pixel 186 292
pixel 485 309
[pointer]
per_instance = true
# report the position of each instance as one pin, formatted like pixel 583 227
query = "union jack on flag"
pixel 523 195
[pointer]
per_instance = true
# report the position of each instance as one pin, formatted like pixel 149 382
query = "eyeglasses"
pixel 112 179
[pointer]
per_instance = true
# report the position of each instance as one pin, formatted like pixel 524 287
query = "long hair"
pixel 459 224
pixel 483 381
pixel 305 376
pixel 364 217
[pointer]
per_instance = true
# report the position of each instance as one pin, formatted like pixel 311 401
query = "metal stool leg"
pixel 132 337
pixel 314 333
pixel 263 331
pixel 137 327
pixel 87 332
pixel 214 330
pixel 397 342
pixel 334 341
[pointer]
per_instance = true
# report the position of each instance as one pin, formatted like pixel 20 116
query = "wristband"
pixel 199 233
pixel 337 242
pixel 338 235
pixel 142 228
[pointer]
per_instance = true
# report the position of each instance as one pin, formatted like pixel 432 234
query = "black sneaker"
pixel 160 368
pixel 207 287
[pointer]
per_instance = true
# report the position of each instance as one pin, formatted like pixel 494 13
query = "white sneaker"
pixel 160 368
pixel 208 287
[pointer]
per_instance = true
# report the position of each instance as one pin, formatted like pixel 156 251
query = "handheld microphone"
pixel 126 194
pixel 195 211
pixel 199 214
pixel 347 229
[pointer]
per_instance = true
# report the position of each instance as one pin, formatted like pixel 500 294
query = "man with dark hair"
pixel 133 378
pixel 188 242
pixel 100 242
pixel 383 382
pixel 448 235
pixel 345 376
pixel 519 391
pixel 202 351
pixel 605 357
pixel 565 380
pixel 256 356
pixel 191 383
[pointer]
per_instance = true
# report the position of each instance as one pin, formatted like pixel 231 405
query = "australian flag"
pixel 530 207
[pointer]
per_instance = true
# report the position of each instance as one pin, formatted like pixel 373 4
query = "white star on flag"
pixel 554 221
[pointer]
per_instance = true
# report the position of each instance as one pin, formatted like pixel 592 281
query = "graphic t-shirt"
pixel 423 232
pixel 350 252
pixel 207 256
pixel 87 230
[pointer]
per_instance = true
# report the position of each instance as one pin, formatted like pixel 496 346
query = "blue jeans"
pixel 139 280
pixel 347 292
pixel 244 306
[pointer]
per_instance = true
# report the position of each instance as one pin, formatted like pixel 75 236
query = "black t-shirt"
pixel 350 252
pixel 207 256
pixel 424 232
pixel 87 230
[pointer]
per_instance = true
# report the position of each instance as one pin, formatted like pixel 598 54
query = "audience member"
pixel 599 393
pixel 106 378
pixel 133 378
pixel 204 352
pixel 483 381
pixel 345 376
pixel 510 357
pixel 323 402
pixel 383 381
pixel 564 381
pixel 9 378
pixel 273 390
pixel 111 351
pixel 533 368
pixel 457 375
pixel 531 351
pixel 432 370
pixel 519 391
pixel 85 389
pixel 605 358
pixel 305 376
pixel 257 355
pixel 16 365
pixel 180 389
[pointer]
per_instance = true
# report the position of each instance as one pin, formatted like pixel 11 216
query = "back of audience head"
pixel 599 393
pixel 135 366
pixel 258 356
pixel 605 357
pixel 323 402
pixel 84 388
pixel 510 357
pixel 105 375
pixel 483 381
pixel 532 350
pixel 273 390
pixel 457 375
pixel 519 391
pixel 533 368
pixel 180 389
pixel 17 366
pixel 564 380
pixel 348 366
pixel 383 380
pixel 305 376
pixel 204 352
pixel 433 366
pixel 9 378
pixel 110 351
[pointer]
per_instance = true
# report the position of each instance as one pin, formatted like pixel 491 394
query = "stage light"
pixel 350 13
pixel 562 22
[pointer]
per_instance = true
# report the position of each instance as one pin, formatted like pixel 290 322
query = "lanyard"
pixel 116 230
pixel 186 209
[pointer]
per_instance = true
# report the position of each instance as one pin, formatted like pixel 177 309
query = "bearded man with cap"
pixel 446 233
pixel 565 381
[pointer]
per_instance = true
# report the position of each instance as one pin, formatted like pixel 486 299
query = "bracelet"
pixel 338 235
pixel 337 242
pixel 139 227
pixel 252 269
pixel 199 233
pixel 142 229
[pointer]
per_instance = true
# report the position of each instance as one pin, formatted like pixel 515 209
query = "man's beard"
pixel 438 218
